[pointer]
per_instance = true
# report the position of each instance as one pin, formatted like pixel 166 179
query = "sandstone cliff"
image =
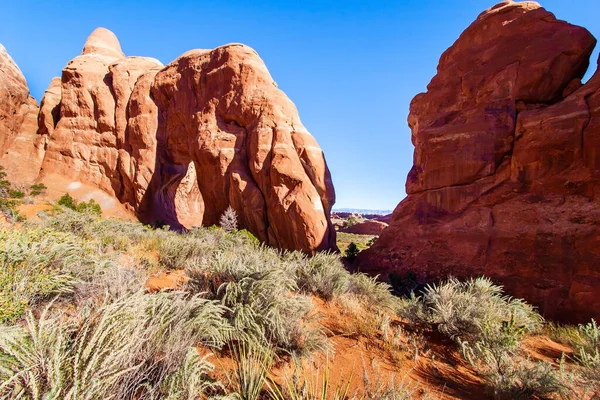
pixel 506 174
pixel 19 144
pixel 176 144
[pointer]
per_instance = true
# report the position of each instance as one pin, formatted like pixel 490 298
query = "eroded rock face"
pixel 179 144
pixel 506 175
pixel 221 112
pixel 19 144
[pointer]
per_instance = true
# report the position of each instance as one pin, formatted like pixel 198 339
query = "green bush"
pixel 508 377
pixel 4 184
pixel 90 207
pixel 16 194
pixel 33 268
pixel 489 327
pixel 37 189
pixel 260 296
pixel 67 201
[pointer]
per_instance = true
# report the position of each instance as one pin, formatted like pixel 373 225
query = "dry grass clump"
pixel 489 328
pixel 34 265
pixel 136 347
pixel 259 289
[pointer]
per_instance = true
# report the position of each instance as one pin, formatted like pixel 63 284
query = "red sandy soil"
pixel 362 358
pixel 30 211
pixel 169 280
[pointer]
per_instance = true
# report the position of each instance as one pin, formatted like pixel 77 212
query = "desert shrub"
pixel 136 347
pixel 476 309
pixel 372 291
pixel 253 239
pixel 4 183
pixel 372 241
pixel 323 274
pixel 91 207
pixel 352 251
pixel 353 220
pixel 229 220
pixel 67 201
pixel 178 251
pixel 33 267
pixel 37 189
pixel 258 288
pixel 8 208
pixel 510 378
pixel 489 327
pixel 588 352
pixel 39 262
pixel 16 194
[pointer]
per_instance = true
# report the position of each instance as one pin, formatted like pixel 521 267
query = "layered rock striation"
pixel 506 174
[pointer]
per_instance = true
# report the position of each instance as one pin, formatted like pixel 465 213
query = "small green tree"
pixel 15 194
pixel 352 251
pixel 90 207
pixel 37 189
pixel 67 201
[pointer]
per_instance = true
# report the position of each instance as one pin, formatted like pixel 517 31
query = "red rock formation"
pixel 506 175
pixel 368 227
pixel 221 111
pixel 181 143
pixel 19 144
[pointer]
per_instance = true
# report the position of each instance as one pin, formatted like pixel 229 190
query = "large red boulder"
pixel 221 112
pixel 506 175
pixel 177 144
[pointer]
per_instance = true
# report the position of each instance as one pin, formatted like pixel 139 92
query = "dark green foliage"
pixel 352 251
pixel 15 194
pixel 67 201
pixel 90 207
pixel 37 189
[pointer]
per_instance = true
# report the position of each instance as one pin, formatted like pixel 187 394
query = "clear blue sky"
pixel 351 67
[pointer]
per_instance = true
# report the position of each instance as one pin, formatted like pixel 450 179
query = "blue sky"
pixel 351 67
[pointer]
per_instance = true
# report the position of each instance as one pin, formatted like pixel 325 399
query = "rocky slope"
pixel 506 175
pixel 176 144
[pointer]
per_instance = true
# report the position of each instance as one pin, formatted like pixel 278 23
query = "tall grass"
pixel 259 291
pixel 475 310
pixel 135 347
